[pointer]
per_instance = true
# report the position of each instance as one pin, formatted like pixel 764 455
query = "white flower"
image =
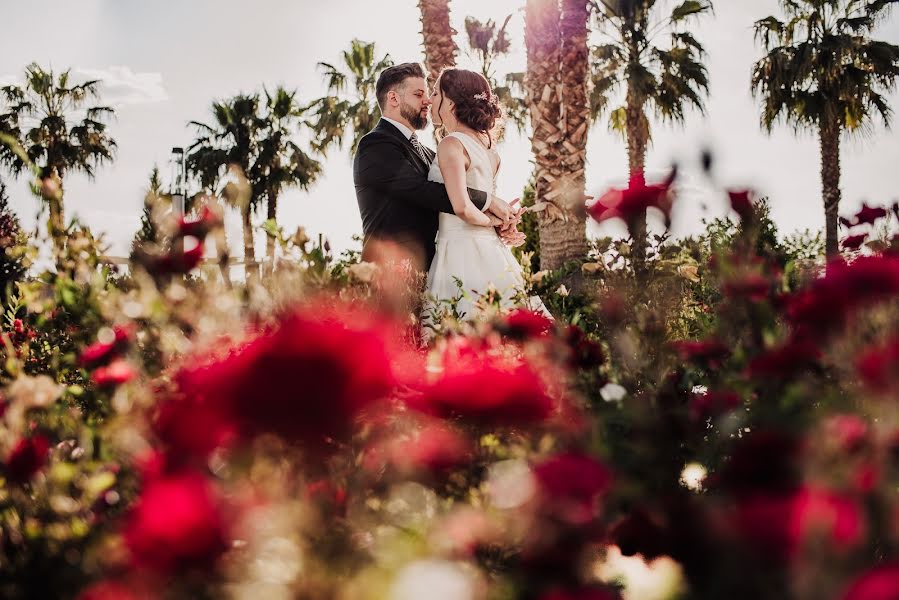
pixel 612 392
pixel 562 291
pixel 364 271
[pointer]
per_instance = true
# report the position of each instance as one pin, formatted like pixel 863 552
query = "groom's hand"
pixel 511 236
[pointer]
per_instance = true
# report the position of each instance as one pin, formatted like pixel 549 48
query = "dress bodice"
pixel 479 176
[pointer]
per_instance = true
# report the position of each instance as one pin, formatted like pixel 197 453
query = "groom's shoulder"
pixel 375 137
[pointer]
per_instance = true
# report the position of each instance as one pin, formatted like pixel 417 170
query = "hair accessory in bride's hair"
pixel 486 96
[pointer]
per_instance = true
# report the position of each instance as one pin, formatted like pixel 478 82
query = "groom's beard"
pixel 415 117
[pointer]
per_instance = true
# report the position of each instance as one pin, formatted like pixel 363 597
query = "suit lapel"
pixel 388 128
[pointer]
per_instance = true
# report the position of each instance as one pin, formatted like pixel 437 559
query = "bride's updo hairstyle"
pixel 476 105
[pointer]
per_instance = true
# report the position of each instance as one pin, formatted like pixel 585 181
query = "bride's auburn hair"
pixel 476 105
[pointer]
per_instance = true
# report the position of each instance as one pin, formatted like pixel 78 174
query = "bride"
pixel 469 252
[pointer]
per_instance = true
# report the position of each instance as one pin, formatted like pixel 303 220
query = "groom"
pixel 390 170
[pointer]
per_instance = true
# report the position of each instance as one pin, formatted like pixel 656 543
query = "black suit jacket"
pixel 396 200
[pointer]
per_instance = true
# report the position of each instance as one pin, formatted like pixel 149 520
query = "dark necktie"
pixel 419 148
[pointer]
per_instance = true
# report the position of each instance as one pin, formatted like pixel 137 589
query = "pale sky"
pixel 166 60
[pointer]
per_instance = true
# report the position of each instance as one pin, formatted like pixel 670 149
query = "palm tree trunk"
pixel 543 87
pixel 637 132
pixel 440 49
pixel 53 192
pixel 830 184
pixel 272 207
pixel 249 246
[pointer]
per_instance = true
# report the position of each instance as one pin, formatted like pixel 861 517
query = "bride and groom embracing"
pixel 440 208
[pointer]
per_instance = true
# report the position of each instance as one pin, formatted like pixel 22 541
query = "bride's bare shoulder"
pixel 451 146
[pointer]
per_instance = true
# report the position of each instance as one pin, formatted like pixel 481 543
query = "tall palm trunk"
pixel 440 49
pixel 56 225
pixel 637 132
pixel 564 239
pixel 249 244
pixel 830 183
pixel 544 50
pixel 272 207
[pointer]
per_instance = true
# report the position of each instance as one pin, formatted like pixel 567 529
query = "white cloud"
pixel 122 86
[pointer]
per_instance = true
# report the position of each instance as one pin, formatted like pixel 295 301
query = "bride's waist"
pixel 453 226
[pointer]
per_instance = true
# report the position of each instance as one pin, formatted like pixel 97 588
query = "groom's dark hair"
pixel 393 77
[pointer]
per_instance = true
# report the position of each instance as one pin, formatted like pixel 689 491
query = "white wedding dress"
pixel 473 255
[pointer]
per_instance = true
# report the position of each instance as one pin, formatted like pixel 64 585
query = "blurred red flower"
pixel 308 379
pixel 26 459
pixel 854 242
pixel 434 449
pixel 777 525
pixel 752 286
pixel 113 590
pixel 581 594
pixel 192 427
pixel 176 523
pixel 848 432
pixel 631 203
pixel 639 532
pixel 485 392
pixel 709 352
pixel 100 353
pixel 115 373
pixel 524 324
pixel 879 366
pixel 201 226
pixel 784 361
pixel 571 485
pixel 869 215
pixel 741 202
pixel 879 583
pixel 585 353
pixel 713 404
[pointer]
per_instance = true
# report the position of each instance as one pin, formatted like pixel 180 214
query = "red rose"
pixel 741 202
pixel 176 523
pixel 784 361
pixel 854 242
pixel 191 428
pixel 112 590
pixel 585 353
pixel 201 226
pixel 26 459
pixel 879 583
pixel 525 324
pixel 571 485
pixel 764 460
pixel 711 352
pixel 116 373
pixel 308 380
pixel 713 404
pixel 879 366
pixel 581 594
pixel 631 203
pixel 849 432
pixel 777 525
pixel 484 393
pixel 868 215
pixel 435 449
pixel 100 353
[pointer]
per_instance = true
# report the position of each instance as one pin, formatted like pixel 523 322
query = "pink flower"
pixel 26 459
pixel 849 432
pixel 709 352
pixel 434 449
pixel 571 485
pixel 176 523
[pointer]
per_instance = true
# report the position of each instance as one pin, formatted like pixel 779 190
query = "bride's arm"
pixel 451 159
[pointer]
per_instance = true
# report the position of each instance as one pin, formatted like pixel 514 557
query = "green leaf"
pixel 689 8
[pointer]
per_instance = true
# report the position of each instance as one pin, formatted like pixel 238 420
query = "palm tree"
pixel 440 49
pixel 823 72
pixel 487 43
pixel 666 78
pixel 343 109
pixel 556 40
pixel 60 131
pixel 286 164
pixel 258 144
